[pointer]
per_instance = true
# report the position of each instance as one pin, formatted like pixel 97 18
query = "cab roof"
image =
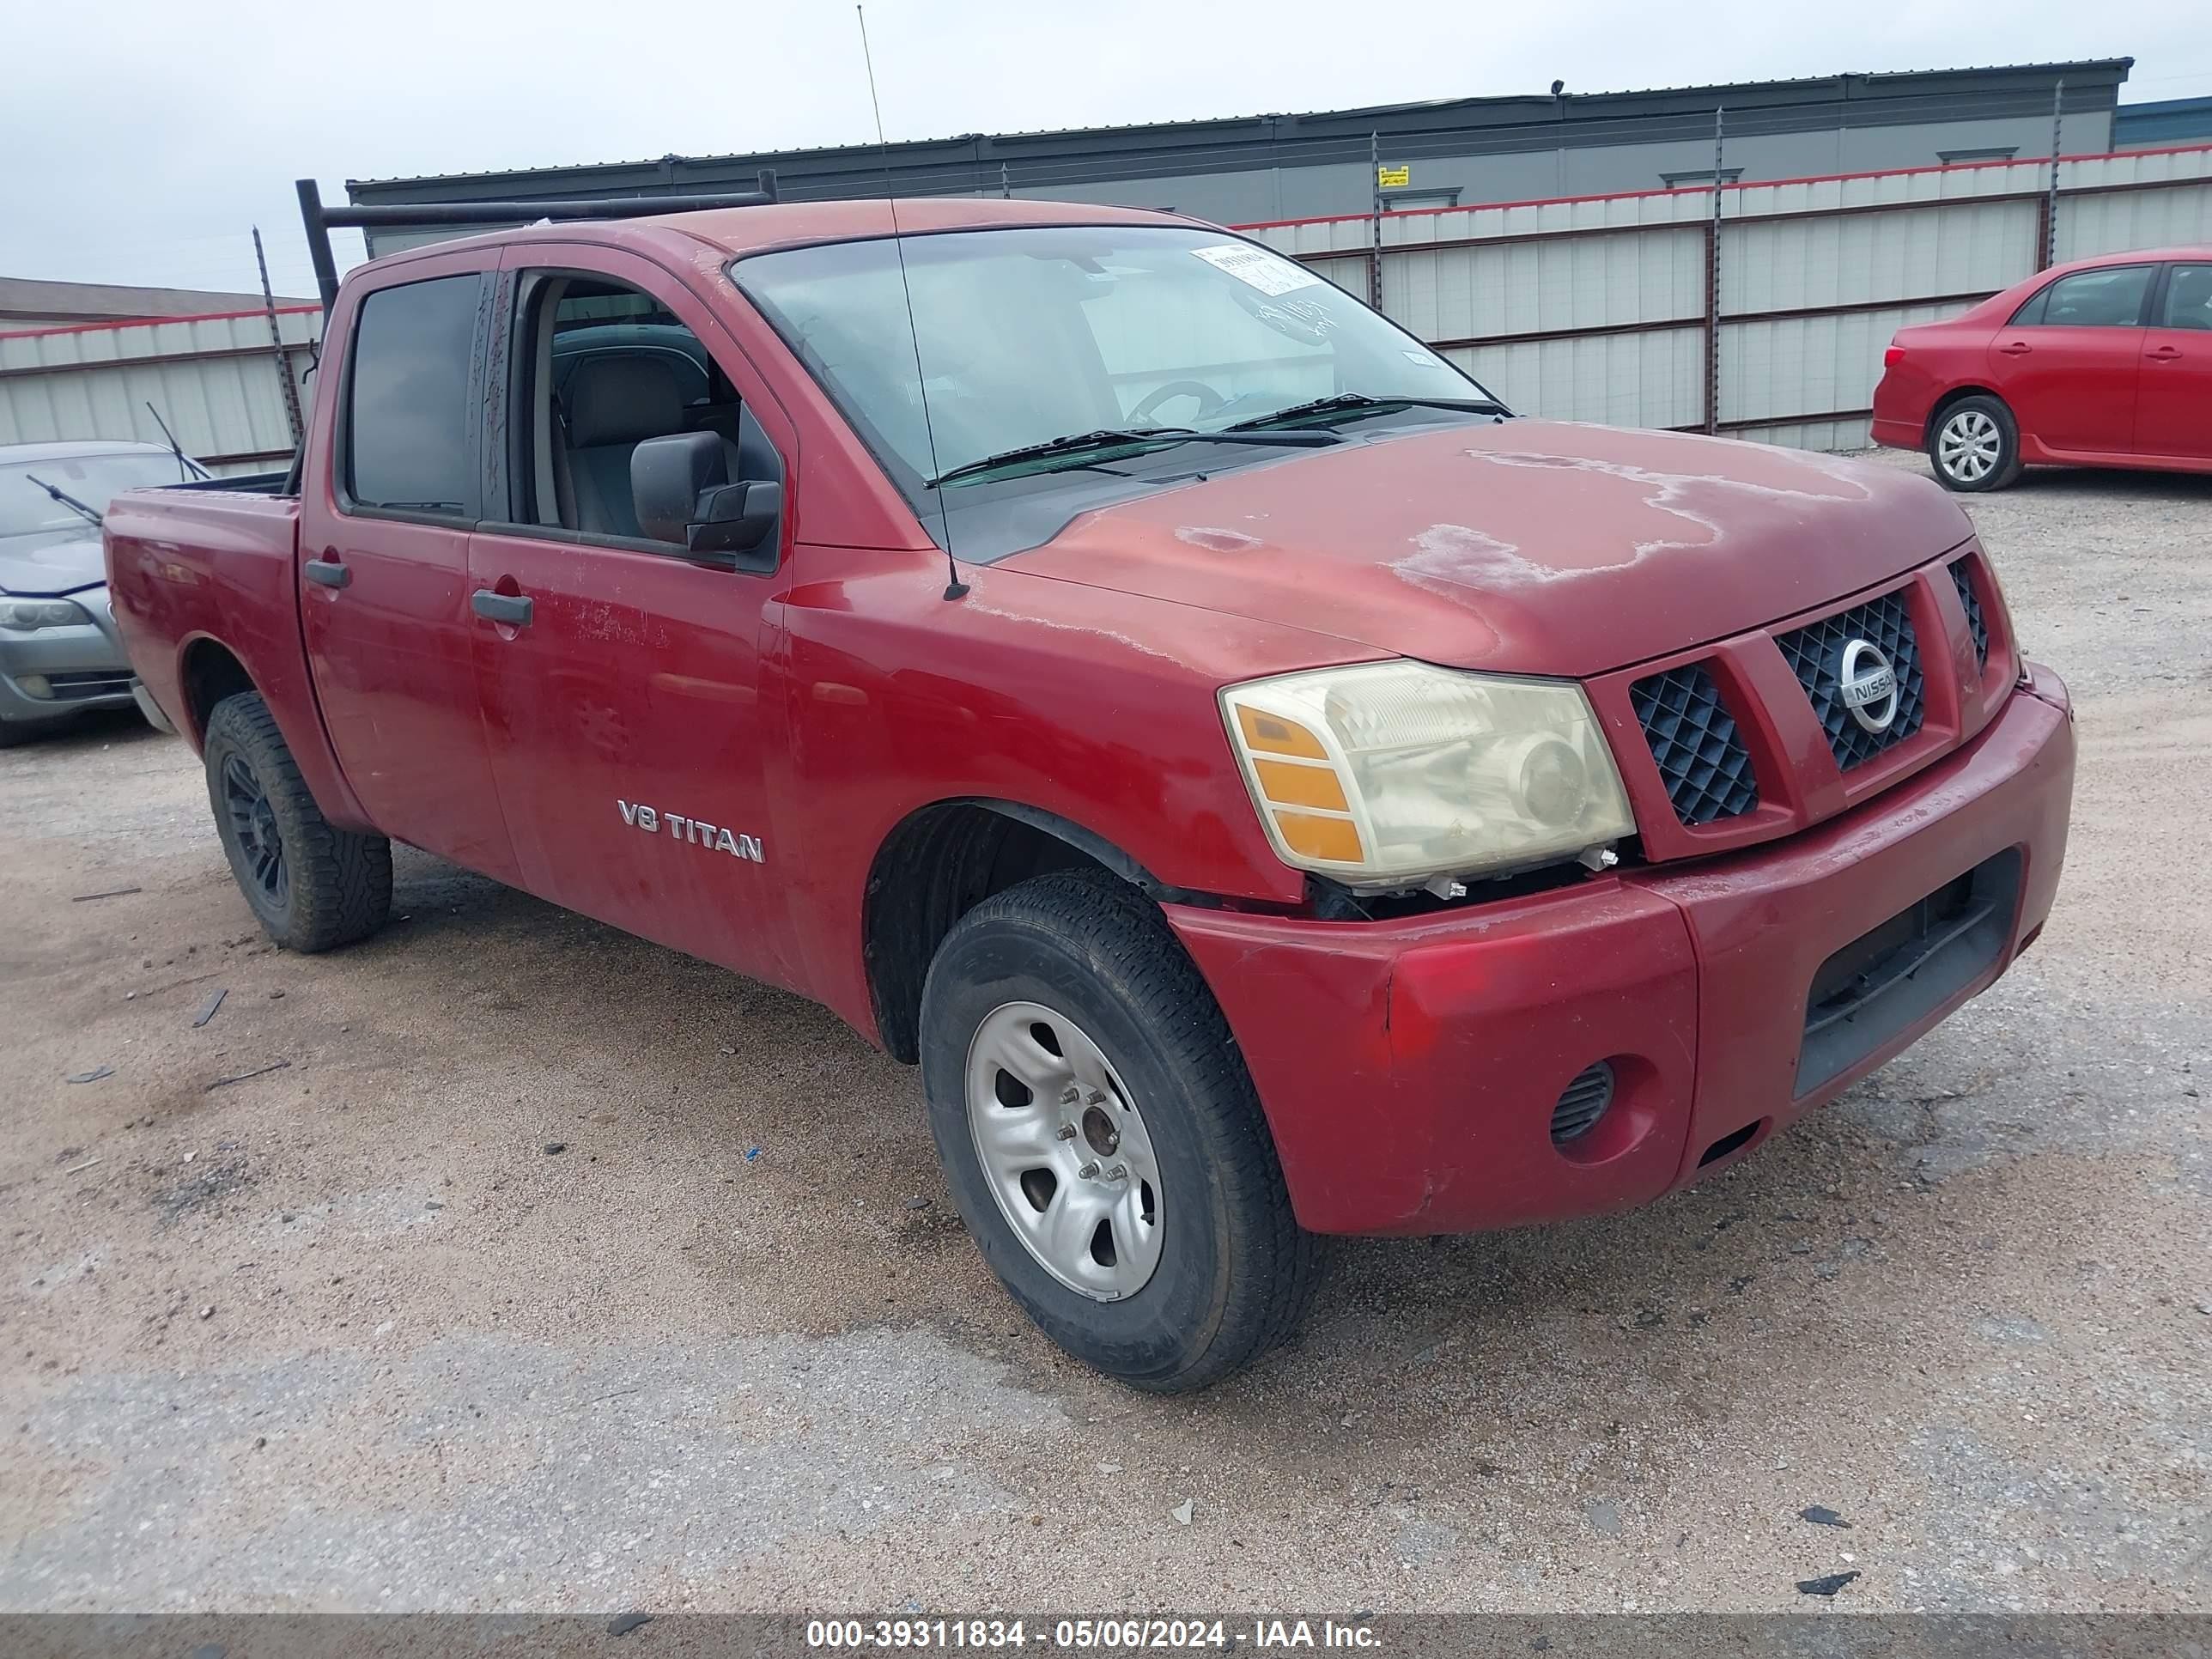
pixel 786 224
pixel 732 232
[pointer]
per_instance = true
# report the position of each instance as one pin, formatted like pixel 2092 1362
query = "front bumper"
pixel 1409 1069
pixel 52 673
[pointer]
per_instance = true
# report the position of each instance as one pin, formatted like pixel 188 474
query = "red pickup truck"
pixel 1269 791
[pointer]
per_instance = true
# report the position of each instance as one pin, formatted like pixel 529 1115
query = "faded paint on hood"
pixel 1534 547
pixel 42 563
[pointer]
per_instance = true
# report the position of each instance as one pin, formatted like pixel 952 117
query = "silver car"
pixel 59 654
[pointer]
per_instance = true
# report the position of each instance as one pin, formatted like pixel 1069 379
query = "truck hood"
pixel 1528 547
pixel 46 562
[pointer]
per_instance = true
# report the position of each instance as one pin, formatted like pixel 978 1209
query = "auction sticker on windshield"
pixel 1268 272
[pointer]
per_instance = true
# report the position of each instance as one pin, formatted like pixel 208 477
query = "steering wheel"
pixel 1209 400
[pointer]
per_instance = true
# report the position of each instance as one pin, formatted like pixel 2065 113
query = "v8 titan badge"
pixel 712 837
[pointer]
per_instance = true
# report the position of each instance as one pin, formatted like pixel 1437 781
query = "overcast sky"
pixel 140 141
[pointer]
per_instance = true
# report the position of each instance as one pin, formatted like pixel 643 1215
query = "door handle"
pixel 2016 348
pixel 2164 354
pixel 514 609
pixel 328 572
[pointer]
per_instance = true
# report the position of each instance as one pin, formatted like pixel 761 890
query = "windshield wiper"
pixel 1109 438
pixel 87 514
pixel 1363 402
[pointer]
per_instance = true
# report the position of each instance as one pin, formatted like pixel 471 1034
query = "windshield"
pixel 96 480
pixel 1028 335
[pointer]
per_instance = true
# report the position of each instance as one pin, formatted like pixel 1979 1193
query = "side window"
pixel 2188 298
pixel 612 367
pixel 410 439
pixel 2097 298
pixel 2032 313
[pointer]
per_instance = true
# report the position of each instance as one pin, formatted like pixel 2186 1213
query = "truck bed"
pixel 206 590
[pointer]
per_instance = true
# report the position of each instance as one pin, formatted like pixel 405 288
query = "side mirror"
pixel 680 488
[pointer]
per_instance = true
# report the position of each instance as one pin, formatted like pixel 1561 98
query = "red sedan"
pixel 2103 362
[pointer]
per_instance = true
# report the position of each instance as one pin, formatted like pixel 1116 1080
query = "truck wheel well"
pixel 937 865
pixel 1956 394
pixel 211 674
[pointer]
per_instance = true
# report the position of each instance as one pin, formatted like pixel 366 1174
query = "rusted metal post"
pixel 290 388
pixel 2049 253
pixel 1713 285
pixel 1375 220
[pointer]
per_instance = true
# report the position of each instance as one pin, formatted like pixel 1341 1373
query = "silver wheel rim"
pixel 1967 447
pixel 1063 1150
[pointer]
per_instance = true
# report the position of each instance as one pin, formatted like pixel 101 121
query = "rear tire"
pixel 312 887
pixel 1974 446
pixel 1176 1260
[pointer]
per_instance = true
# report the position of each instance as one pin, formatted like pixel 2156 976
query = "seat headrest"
pixel 615 398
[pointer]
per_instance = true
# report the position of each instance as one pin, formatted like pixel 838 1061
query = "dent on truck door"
pixel 384 591
pixel 619 678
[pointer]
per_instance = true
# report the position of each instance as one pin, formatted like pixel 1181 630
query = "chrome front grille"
pixel 1815 655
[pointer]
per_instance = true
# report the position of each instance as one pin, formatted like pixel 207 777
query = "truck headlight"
pixel 1389 773
pixel 26 616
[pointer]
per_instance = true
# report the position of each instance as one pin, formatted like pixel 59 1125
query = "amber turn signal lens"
pixel 1336 839
pixel 1278 736
pixel 1287 785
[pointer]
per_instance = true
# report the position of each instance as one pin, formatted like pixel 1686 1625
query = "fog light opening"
pixel 1581 1103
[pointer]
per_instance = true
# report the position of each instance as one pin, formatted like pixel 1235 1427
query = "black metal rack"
pixel 319 220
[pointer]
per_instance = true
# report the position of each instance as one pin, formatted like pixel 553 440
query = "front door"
pixel 2066 364
pixel 619 675
pixel 2173 398
pixel 383 581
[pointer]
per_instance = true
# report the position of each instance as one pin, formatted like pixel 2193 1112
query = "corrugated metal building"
pixel 2163 124
pixel 1763 315
pixel 1451 152
pixel 27 303
pixel 229 389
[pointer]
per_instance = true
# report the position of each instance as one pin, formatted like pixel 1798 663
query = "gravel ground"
pixel 353 1334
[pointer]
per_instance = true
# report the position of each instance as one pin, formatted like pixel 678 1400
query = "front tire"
pixel 1974 446
pixel 1102 1139
pixel 311 886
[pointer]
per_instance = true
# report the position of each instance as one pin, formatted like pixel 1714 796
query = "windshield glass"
pixel 1028 335
pixel 96 480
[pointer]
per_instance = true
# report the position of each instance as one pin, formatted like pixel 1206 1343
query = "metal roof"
pixel 62 448
pixel 28 296
pixel 970 161
pixel 2168 120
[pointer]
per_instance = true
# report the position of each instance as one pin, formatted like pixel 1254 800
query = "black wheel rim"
pixel 253 827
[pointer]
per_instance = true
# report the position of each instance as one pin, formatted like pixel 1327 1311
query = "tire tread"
pixel 341 880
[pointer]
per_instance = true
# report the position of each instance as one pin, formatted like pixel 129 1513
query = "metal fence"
pixel 229 388
pixel 1763 315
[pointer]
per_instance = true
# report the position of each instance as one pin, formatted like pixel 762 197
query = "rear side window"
pixel 2188 298
pixel 2091 299
pixel 410 437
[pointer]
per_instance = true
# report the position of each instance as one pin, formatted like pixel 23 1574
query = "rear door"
pixel 387 508
pixel 2066 363
pixel 2173 398
pixel 619 675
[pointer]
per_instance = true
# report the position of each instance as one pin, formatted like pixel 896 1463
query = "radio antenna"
pixel 954 587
